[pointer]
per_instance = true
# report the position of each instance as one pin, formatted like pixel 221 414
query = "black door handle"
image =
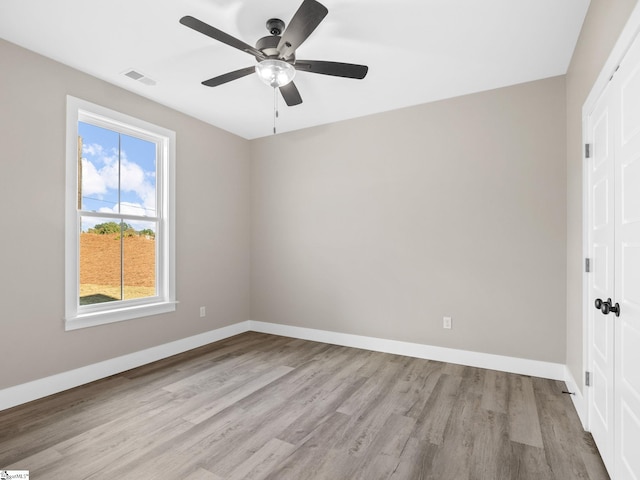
pixel 614 308
pixel 607 307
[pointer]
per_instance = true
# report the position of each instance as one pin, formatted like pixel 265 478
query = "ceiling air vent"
pixel 140 77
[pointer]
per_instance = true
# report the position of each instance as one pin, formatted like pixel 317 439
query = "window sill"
pixel 94 319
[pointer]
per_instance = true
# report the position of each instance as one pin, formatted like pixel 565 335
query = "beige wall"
pixel 603 24
pixel 212 223
pixel 380 226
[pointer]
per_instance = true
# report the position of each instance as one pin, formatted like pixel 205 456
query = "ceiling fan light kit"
pixel 276 53
pixel 275 73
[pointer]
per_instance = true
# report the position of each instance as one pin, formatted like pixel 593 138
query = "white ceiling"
pixel 417 51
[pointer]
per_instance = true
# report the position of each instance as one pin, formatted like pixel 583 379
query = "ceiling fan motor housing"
pixel 269 46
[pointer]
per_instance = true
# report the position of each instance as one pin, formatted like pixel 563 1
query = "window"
pixel 119 224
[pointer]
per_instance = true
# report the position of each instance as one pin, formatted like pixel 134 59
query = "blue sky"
pixel 136 170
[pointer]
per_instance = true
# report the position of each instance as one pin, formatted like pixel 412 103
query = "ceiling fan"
pixel 276 53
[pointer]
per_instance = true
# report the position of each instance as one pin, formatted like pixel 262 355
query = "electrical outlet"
pixel 446 322
pixel 203 311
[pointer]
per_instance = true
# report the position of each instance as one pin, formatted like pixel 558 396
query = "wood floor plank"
pixel 372 389
pixel 524 424
pixel 372 416
pixel 569 451
pixel 311 416
pixel 495 394
pixel 259 422
pixel 265 420
pixel 529 462
pixel 202 474
pixel 491 452
pixel 260 464
pixel 308 460
pixel 202 442
pixel 36 462
pixel 453 459
pixel 425 388
pixel 383 455
pixel 560 433
pixel 99 457
pixel 237 394
pixel 415 460
pixel 258 406
pixel 434 417
pixel 48 431
pixel 169 465
pixel 217 373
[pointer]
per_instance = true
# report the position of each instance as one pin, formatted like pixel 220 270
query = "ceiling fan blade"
pixel 227 77
pixel 290 94
pixel 209 31
pixel 304 21
pixel 337 69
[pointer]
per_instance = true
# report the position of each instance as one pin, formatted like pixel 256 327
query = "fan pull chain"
pixel 275 108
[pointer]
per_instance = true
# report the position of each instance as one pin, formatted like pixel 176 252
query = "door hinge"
pixel 614 73
pixel 587 265
pixel 587 379
pixel 587 150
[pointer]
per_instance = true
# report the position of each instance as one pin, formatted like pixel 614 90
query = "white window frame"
pixel 81 316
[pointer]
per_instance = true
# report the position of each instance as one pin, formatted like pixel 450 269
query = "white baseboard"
pixel 523 366
pixel 26 392
pixel 578 399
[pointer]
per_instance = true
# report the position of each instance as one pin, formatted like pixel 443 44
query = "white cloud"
pixel 131 178
pixel 127 208
pixel 93 149
pixel 92 181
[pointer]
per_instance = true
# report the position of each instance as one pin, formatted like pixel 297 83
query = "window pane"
pixel 98 169
pixel 140 260
pixel 117 172
pixel 137 176
pixel 100 261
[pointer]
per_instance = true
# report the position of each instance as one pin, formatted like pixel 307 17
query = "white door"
pixel 627 267
pixel 614 242
pixel 601 237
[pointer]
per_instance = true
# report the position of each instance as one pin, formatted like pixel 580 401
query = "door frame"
pixel 627 36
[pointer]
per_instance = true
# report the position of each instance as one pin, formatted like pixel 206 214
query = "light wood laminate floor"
pixel 259 406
